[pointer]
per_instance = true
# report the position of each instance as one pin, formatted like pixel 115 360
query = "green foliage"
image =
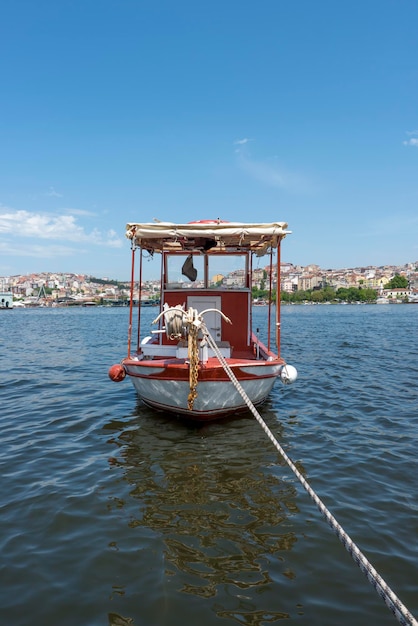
pixel 101 281
pixel 397 282
pixel 259 294
pixel 350 294
pixel 329 294
pixel 356 294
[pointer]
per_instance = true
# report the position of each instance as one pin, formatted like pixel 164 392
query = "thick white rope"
pixel 173 318
pixel 401 613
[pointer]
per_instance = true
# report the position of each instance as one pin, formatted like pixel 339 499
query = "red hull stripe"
pixel 218 375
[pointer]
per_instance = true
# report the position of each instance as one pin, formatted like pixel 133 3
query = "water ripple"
pixel 112 514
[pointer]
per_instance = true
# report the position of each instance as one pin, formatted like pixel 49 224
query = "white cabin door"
pixel 212 319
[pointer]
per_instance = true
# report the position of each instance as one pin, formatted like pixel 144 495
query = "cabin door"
pixel 212 319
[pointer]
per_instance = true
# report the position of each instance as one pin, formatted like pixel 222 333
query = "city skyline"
pixel 297 112
pixel 410 267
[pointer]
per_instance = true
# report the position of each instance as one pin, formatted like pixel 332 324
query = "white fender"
pixel 288 374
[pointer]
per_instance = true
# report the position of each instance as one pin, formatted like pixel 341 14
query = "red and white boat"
pixel 203 357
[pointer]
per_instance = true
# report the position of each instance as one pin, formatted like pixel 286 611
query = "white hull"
pixel 214 397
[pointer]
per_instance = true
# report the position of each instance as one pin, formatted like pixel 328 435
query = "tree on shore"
pixel 328 294
pixel 397 282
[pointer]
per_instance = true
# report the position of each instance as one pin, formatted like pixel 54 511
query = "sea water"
pixel 114 514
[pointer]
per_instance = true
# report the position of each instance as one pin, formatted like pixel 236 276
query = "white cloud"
pixel 52 227
pixel 32 250
pixel 113 241
pixel 54 194
pixel 271 173
pixel 79 212
pixel 268 171
pixel 411 142
pixel 264 172
pixel 241 142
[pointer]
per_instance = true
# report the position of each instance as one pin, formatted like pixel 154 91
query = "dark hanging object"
pixel 209 243
pixel 188 269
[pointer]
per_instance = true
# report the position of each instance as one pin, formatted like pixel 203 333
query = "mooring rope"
pixel 402 614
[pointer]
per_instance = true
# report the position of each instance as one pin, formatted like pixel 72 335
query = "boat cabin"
pixel 207 266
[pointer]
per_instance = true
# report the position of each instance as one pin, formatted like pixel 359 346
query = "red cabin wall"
pixel 235 305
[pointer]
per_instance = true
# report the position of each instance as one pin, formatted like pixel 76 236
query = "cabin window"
pixel 228 272
pixel 184 271
pixel 201 271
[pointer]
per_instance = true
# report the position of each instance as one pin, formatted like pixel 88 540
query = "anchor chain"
pixel 193 352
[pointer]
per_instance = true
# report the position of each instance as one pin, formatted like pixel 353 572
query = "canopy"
pixel 209 236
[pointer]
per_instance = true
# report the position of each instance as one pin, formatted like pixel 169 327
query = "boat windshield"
pixel 197 271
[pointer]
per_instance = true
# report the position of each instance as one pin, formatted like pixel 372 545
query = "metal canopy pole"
pixel 132 299
pixel 139 301
pixel 278 299
pixel 269 305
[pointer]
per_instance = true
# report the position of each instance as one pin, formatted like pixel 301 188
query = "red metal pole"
pixel 249 282
pixel 132 299
pixel 278 299
pixel 138 342
pixel 269 309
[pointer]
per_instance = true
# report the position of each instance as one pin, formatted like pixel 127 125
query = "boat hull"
pixel 165 386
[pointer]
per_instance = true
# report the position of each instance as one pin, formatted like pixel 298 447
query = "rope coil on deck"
pixel 402 614
pixel 173 318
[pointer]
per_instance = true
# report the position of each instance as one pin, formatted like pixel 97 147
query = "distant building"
pixel 6 300
pixel 397 294
pixel 217 278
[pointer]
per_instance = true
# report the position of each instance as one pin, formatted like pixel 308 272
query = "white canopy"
pixel 211 236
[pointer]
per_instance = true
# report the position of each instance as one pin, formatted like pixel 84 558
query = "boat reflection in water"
pixel 210 507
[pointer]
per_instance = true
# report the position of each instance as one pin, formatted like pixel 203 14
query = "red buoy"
pixel 117 373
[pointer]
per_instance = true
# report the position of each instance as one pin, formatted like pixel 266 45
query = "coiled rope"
pixel 401 613
pixel 173 317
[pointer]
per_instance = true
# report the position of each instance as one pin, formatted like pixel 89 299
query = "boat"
pixel 202 359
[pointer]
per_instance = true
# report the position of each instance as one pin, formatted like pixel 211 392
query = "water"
pixel 112 514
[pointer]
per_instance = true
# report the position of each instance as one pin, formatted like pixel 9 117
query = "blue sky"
pixel 279 110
